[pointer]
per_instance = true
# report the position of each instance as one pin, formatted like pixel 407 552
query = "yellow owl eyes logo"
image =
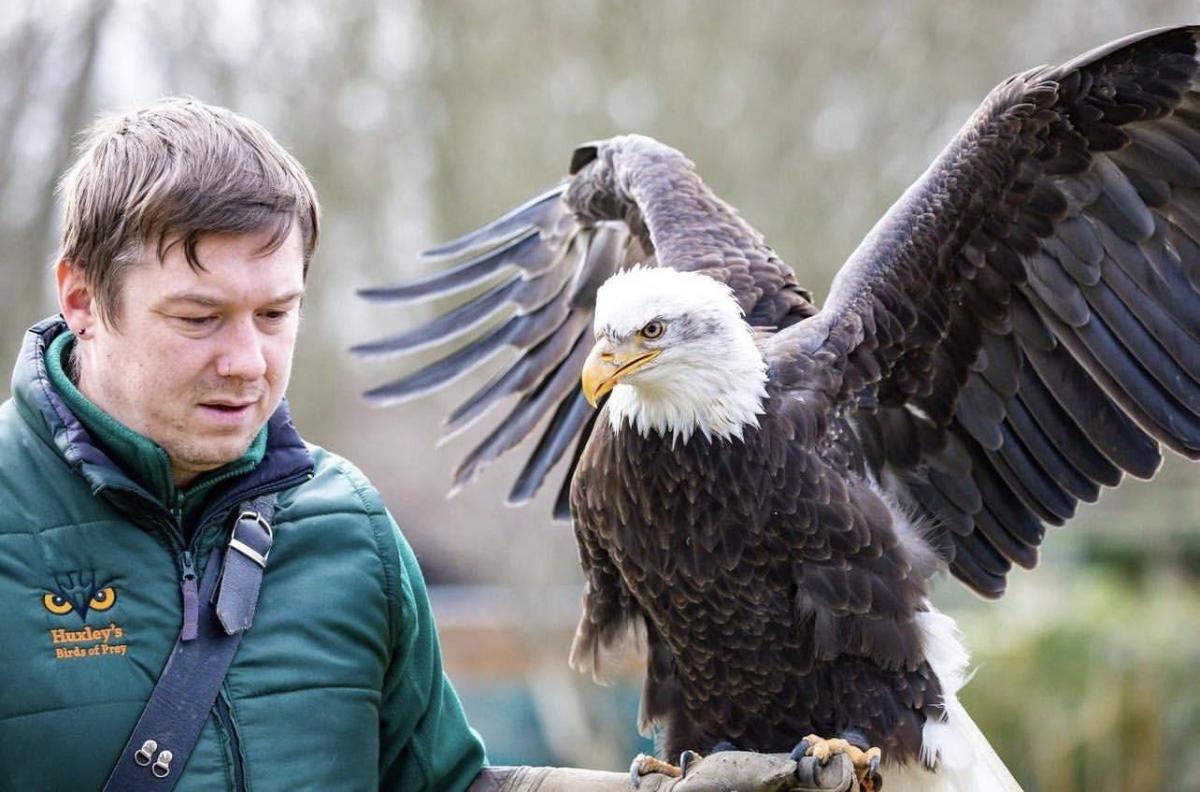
pixel 56 604
pixel 59 605
pixel 103 599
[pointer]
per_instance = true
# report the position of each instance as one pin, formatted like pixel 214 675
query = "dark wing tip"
pixel 1104 50
pixel 582 156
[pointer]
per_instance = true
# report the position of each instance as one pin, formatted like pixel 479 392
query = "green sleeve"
pixel 425 742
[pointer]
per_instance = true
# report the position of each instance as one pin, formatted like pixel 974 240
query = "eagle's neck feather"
pixel 717 392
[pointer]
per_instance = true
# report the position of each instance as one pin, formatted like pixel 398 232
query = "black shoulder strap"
pixel 167 731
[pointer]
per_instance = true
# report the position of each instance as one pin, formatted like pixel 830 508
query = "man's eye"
pixel 197 321
pixel 275 316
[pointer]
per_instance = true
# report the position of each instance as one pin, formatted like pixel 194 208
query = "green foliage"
pixel 1088 681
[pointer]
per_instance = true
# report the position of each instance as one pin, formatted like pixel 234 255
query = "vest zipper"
pixel 225 717
pixel 191 597
pixel 187 576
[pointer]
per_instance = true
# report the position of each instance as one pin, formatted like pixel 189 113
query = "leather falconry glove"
pixel 743 771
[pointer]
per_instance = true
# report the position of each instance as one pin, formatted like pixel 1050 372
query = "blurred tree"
pixel 42 106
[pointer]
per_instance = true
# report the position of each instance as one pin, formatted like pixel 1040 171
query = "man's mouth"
pixel 223 410
pixel 227 406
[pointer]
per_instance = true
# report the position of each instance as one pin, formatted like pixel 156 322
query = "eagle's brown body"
pixel 763 625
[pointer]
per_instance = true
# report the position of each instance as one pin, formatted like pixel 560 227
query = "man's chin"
pixel 196 461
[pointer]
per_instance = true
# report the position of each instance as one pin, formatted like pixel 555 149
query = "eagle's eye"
pixel 653 329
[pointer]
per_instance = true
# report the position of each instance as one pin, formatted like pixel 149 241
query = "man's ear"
pixel 75 298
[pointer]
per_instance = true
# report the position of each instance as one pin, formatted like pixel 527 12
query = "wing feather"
pixel 1036 295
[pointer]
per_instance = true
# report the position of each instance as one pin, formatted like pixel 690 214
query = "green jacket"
pixel 338 684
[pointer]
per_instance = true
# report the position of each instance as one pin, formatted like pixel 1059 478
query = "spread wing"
pixel 627 200
pixel 1022 327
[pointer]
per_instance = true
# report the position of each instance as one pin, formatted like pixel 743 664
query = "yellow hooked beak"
pixel 606 366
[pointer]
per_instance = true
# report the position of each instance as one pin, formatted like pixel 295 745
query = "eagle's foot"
pixel 864 758
pixel 645 765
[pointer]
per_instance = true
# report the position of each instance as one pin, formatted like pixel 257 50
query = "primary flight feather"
pixel 768 486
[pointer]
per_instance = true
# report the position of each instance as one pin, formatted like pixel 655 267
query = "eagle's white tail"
pixel 965 761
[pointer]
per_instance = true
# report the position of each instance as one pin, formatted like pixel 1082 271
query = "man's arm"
pixel 425 741
pixel 740 770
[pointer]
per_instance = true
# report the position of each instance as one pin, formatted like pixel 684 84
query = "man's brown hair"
pixel 168 174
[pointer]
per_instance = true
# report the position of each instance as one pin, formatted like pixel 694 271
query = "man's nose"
pixel 242 354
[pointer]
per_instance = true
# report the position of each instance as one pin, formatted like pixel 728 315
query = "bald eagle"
pixel 768 485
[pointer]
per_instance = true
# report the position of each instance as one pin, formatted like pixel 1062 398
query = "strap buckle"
pixel 247 550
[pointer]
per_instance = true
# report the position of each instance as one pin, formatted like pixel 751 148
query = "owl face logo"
pixel 79 592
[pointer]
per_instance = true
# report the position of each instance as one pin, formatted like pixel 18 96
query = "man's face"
pixel 201 359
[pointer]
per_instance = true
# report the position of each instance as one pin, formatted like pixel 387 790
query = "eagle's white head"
pixel 677 355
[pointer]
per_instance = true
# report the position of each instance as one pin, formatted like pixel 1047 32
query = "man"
pixel 141 418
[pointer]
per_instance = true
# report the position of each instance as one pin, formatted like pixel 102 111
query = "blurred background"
pixel 421 120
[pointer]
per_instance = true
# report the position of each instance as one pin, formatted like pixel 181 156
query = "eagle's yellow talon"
pixel 650 764
pixel 866 763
